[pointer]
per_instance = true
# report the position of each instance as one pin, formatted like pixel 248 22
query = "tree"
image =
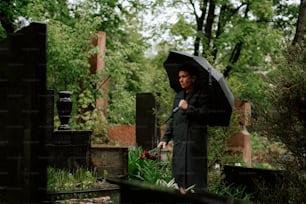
pixel 69 47
pixel 283 120
pixel 301 24
pixel 10 10
pixel 239 38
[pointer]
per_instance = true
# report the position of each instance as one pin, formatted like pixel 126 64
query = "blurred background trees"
pixel 283 120
pixel 240 38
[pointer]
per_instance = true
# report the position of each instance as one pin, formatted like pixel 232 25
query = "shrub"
pixel 284 120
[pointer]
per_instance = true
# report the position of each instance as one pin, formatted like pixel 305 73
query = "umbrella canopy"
pixel 221 99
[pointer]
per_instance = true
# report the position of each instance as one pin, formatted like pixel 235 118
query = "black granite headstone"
pixel 23 115
pixel 144 193
pixel 255 181
pixel 147 125
pixel 68 149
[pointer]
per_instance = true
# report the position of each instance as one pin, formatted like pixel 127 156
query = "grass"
pixel 266 154
pixel 61 179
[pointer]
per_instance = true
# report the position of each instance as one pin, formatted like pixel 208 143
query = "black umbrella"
pixel 221 99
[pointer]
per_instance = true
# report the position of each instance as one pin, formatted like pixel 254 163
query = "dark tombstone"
pixel 68 149
pixel 111 159
pixel 49 98
pixel 255 181
pixel 23 125
pixel 139 192
pixel 147 125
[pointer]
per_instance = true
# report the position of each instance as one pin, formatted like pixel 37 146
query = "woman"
pixel 187 127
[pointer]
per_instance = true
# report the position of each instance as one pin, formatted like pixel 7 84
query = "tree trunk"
pixel 200 25
pixel 221 24
pixel 234 58
pixel 209 23
pixel 300 26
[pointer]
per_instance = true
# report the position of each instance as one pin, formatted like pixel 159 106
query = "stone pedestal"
pixel 68 149
pixel 241 142
pixel 109 161
pixel 97 64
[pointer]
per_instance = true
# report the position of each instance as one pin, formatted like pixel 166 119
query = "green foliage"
pixel 60 179
pixel 129 70
pixel 148 170
pixel 267 154
pixel 285 18
pixel 69 49
pixel 245 23
pixel 287 90
pixel 284 119
pixel 233 192
pixel 217 186
pixel 2 33
pixel 91 117
pixel 182 28
pixel 262 10
pixel 126 65
pixel 10 11
pixel 69 46
pixel 158 172
pixel 217 138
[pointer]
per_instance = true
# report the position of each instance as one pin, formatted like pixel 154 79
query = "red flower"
pixel 142 156
pixel 153 157
pixel 147 155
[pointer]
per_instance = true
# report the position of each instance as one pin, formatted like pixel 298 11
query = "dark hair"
pixel 191 70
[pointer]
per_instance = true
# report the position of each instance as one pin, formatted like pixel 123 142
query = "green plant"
pixel 217 186
pixel 284 120
pixel 267 154
pixel 217 138
pixel 92 117
pixel 147 166
pixel 232 192
pixel 63 180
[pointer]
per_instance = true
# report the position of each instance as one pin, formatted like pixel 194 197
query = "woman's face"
pixel 186 80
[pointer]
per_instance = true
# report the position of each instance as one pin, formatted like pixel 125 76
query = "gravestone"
pixel 147 125
pixel 68 149
pixel 255 181
pixel 138 192
pixel 23 124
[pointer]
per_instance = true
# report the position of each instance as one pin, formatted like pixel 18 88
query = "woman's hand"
pixel 183 104
pixel 162 145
